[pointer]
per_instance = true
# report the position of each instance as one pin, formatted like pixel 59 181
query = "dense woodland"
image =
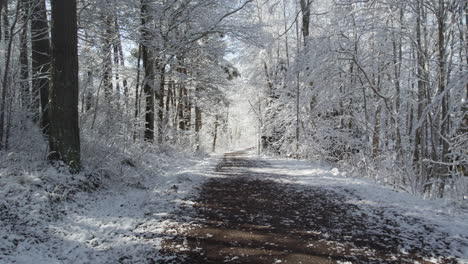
pixel 380 86
pixel 122 71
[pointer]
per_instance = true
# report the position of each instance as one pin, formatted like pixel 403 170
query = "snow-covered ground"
pixel 44 220
pixel 49 216
pixel 431 217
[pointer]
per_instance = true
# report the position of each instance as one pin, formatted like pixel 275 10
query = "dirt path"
pixel 243 218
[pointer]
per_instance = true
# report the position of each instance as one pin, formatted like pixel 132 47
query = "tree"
pixel 40 45
pixel 148 65
pixel 107 57
pixel 24 57
pixel 64 140
pixel 383 91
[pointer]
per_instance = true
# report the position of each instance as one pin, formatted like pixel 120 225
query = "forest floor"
pixel 255 210
pixel 48 216
pixel 238 208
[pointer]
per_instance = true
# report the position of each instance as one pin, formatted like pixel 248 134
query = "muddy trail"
pixel 248 217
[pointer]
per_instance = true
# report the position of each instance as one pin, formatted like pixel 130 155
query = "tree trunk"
pixel 466 45
pixel 137 95
pixel 376 133
pixel 40 45
pixel 198 120
pixel 107 59
pixel 421 84
pixel 148 65
pixel 160 97
pixel 441 17
pixel 64 140
pixel 305 10
pixel 24 59
pixel 168 101
pixel 187 109
pixel 88 94
pixel 118 42
pixel 215 133
pixel 2 3
pixel 5 22
pixel 6 76
pixel 180 108
pixel 115 49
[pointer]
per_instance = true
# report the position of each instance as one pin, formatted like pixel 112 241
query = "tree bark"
pixel 5 22
pixel 180 108
pixel 24 58
pixel 116 54
pixel 40 45
pixel 305 10
pixel 187 109
pixel 107 59
pixel 441 17
pixel 198 119
pixel 421 84
pixel 148 65
pixel 137 94
pixel 2 3
pixel 215 133
pixel 64 140
pixel 118 42
pixel 160 97
pixel 6 76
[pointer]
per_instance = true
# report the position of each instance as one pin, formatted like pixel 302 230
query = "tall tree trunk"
pixel 215 133
pixel 6 75
pixel 137 94
pixel 187 109
pixel 40 45
pixel 24 59
pixel 376 133
pixel 148 65
pixel 160 97
pixel 444 117
pixel 88 94
pixel 421 85
pixel 397 61
pixel 115 49
pixel 2 4
pixel 198 119
pixel 286 41
pixel 445 122
pixel 64 140
pixel 118 42
pixel 466 46
pixel 305 10
pixel 168 101
pixel 180 107
pixel 184 102
pixel 5 21
pixel 107 59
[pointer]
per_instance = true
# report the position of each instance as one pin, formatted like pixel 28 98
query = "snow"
pixel 438 214
pixel 50 216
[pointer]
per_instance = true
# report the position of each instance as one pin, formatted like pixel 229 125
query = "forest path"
pixel 246 216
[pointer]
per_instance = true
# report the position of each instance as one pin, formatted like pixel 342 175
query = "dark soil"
pixel 245 218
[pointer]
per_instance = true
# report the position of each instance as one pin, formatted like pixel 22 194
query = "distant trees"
pixel 377 84
pixel 381 86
